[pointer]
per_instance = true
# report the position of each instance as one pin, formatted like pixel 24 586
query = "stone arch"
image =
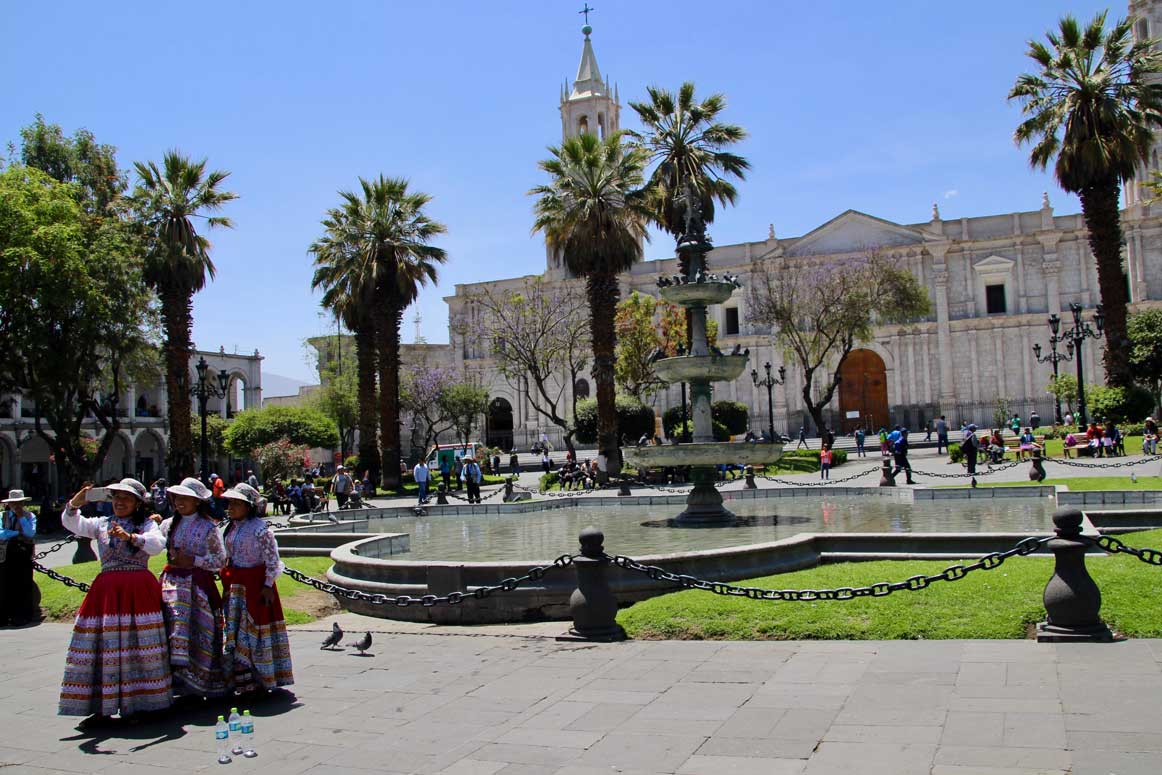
pixel 863 391
pixel 582 124
pixel 118 462
pixel 238 391
pixel 148 455
pixel 499 423
pixel 35 476
pixel 9 472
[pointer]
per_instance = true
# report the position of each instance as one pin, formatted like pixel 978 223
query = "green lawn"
pixel 999 603
pixel 1080 483
pixel 299 602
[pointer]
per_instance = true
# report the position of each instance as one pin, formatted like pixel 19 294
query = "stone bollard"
pixel 886 478
pixel 592 604
pixel 441 495
pixel 1037 472
pixel 623 489
pixel 1072 599
pixel 84 551
pixel 750 483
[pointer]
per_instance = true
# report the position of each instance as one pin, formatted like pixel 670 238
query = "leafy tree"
pixel 538 338
pixel 684 141
pixel 591 212
pixel 378 248
pixel 75 312
pixel 422 394
pixel 337 394
pixel 300 426
pixel 465 403
pixel 727 418
pixel 167 201
pixel 1064 389
pixel 645 324
pixel 279 460
pixel 633 419
pixel 820 309
pixel 734 415
pixel 348 291
pixel 80 159
pixel 216 426
pixel 1120 404
pixel 1093 106
pixel 1145 332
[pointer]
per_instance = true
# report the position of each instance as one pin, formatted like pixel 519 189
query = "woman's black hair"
pixel 249 515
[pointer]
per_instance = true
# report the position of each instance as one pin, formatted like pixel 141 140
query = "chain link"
pixel 952 573
pixel 427 601
pixel 55 547
pixel 820 483
pixel 1122 464
pixel 52 574
pixel 1116 546
pixel 995 469
pixel 487 497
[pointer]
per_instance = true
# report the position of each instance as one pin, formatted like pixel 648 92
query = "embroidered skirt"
pixel 193 621
pixel 257 651
pixel 117 660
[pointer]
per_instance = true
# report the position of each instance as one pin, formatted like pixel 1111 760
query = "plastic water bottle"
pixel 222 738
pixel 235 722
pixel 248 735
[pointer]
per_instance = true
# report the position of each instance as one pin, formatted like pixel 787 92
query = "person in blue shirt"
pixel 18 535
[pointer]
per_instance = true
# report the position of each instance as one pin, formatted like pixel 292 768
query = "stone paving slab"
pixel 512 701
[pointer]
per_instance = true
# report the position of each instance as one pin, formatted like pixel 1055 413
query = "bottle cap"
pixel 234 710
pixel 221 718
pixel 245 713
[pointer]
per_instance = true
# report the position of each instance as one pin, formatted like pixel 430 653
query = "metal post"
pixel 750 483
pixel 1072 599
pixel 592 604
pixel 684 435
pixel 886 477
pixel 1037 471
pixel 202 397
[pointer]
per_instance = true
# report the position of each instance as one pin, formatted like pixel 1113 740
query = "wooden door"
pixel 863 392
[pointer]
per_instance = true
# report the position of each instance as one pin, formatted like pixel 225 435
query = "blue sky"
pixel 880 107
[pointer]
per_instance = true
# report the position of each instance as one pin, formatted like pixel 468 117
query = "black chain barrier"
pixel 487 497
pixel 993 469
pixel 1121 464
pixel 55 547
pixel 1116 546
pixel 427 601
pixel 820 483
pixel 913 584
pixel 52 574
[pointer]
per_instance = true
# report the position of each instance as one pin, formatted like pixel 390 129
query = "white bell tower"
pixel 1147 15
pixel 592 106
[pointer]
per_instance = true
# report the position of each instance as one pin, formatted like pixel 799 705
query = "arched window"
pixel 581 389
pixel 583 125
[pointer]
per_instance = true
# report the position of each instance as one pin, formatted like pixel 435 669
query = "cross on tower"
pixel 587 10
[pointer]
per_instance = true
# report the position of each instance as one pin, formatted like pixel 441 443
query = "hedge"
pixel 633 419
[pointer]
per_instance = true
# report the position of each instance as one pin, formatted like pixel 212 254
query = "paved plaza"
pixel 514 701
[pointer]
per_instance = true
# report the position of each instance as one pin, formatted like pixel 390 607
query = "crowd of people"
pixel 139 640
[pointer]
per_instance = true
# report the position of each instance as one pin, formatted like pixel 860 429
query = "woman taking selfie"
pixel 117 660
pixel 257 650
pixel 189 595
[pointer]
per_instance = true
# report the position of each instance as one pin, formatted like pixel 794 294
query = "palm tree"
pixel 384 233
pixel 592 211
pixel 685 142
pixel 349 294
pixel 1094 105
pixel 177 262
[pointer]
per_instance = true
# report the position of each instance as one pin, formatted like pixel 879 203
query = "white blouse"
pixel 115 553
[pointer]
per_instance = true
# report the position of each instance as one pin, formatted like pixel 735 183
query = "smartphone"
pixel 97 494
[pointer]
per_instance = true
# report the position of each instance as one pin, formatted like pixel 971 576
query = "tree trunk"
pixel 389 316
pixel 177 317
pixel 1099 206
pixel 603 296
pixel 368 420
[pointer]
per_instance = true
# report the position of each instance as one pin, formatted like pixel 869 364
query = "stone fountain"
pixel 700 367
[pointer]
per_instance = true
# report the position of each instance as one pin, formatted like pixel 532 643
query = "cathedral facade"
pixel 993 280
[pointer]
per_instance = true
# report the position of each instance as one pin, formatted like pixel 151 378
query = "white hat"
pixel 340 468
pixel 16 496
pixel 192 488
pixel 131 486
pixel 243 492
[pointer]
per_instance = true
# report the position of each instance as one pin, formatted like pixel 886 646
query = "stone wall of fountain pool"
pixel 462 547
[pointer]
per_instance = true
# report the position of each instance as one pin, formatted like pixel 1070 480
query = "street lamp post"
pixel 1054 358
pixel 1079 333
pixel 203 390
pixel 769 382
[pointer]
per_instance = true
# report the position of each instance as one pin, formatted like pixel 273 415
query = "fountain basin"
pixel 703 454
pixel 697 294
pixel 701 368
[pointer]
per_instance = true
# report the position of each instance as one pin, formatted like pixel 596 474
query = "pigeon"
pixel 362 644
pixel 737 350
pixel 700 277
pixel 657 355
pixel 333 639
pixel 676 279
pixel 681 349
pixel 664 281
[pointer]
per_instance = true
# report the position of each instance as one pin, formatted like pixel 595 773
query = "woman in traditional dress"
pixel 117 660
pixel 190 597
pixel 257 649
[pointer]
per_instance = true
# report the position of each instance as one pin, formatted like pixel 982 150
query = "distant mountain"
pixel 278 385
